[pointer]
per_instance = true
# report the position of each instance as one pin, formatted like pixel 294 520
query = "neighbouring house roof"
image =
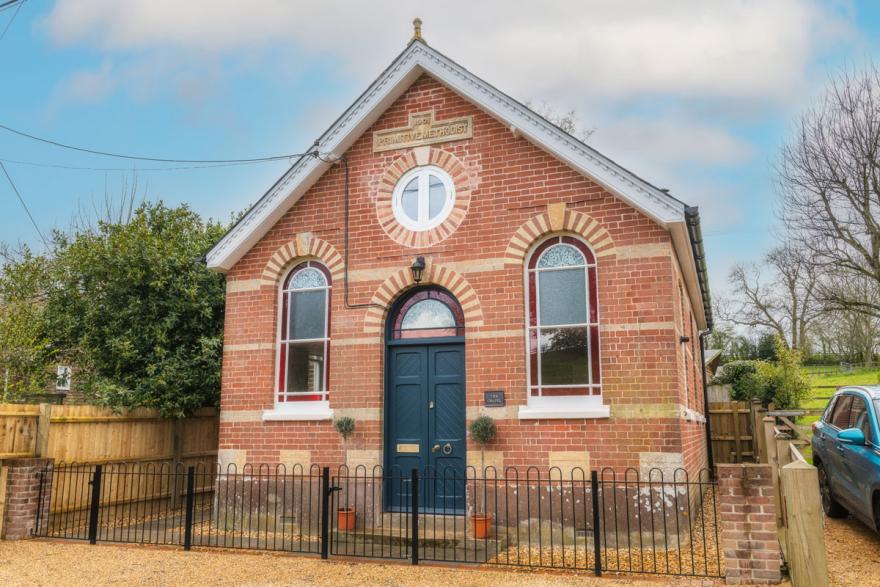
pixel 417 59
pixel 711 358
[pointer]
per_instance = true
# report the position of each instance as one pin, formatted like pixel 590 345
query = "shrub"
pixel 786 385
pixel 746 378
pixel 483 430
pixel 345 426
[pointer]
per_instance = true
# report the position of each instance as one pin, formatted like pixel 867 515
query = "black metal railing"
pixel 580 520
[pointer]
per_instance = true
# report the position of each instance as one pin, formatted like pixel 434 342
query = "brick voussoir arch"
pixel 418 157
pixel 558 218
pixel 303 245
pixel 400 281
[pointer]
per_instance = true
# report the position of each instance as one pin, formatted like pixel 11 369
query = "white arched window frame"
pixel 302 370
pixel 563 361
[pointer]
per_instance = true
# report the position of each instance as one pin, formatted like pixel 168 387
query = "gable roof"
pixel 418 59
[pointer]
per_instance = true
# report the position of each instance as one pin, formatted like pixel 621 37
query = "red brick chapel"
pixel 444 253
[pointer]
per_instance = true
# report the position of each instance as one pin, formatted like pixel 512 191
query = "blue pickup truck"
pixel 846 451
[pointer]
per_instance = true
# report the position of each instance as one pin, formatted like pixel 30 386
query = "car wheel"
pixel 830 506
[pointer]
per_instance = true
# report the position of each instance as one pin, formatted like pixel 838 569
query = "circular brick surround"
pixel 416 158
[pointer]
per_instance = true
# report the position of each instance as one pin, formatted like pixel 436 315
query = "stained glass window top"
pixel 561 255
pixel 308 278
pixel 428 313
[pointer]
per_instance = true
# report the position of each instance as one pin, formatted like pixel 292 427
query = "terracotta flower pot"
pixel 345 519
pixel 481 524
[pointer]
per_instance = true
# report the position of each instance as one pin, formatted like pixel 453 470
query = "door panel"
pixel 426 424
pixel 446 393
pixel 408 392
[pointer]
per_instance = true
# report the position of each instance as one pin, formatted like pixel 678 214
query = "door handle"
pixel 435 448
pixel 447 448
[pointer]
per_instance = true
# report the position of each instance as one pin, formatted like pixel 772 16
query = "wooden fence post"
pixel 43 423
pixel 757 424
pixel 772 459
pixel 805 539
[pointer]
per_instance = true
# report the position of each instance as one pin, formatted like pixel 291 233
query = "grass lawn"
pixel 824 381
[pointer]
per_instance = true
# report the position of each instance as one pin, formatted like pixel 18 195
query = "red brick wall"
pixel 512 182
pixel 22 496
pixel 747 510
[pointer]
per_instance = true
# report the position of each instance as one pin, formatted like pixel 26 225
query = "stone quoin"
pixel 552 274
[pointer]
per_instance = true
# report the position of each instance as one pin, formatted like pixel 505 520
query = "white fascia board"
pixel 418 58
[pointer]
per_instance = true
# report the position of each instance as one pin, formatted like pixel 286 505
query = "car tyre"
pixel 830 505
pixel 877 514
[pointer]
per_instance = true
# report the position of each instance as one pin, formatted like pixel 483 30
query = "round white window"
pixel 423 198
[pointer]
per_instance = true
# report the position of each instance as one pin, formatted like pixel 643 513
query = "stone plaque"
pixel 423 130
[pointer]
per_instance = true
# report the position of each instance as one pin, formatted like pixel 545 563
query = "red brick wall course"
pixel 747 510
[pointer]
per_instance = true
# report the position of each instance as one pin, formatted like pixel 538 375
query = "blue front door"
pixel 426 425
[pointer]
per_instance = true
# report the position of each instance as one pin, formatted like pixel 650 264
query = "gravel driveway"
pixel 33 562
pixel 853 554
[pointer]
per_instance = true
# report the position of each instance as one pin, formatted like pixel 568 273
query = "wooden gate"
pixel 732 426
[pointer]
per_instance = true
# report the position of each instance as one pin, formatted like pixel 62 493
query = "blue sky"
pixel 694 96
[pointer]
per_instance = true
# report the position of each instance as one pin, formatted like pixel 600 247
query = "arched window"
pixel 304 334
pixel 428 313
pixel 563 321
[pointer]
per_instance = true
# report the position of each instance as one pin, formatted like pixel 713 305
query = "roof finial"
pixel 417 30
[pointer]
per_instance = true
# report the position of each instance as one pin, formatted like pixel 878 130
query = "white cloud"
pixel 736 50
pixel 660 81
pixel 671 139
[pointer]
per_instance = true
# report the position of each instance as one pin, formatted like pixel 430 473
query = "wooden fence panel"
pixel 93 434
pixel 732 438
pixel 18 430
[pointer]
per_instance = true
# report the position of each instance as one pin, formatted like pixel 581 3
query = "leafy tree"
pixel 25 352
pixel 139 312
pixel 767 347
pixel 786 383
pixel 733 346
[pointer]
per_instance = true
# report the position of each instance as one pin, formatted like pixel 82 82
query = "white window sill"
pixel 563 412
pixel 321 411
pixel 693 416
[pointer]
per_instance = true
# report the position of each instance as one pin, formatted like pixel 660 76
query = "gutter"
pixel 710 455
pixel 695 233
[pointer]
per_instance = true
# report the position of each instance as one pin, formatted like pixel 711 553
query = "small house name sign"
pixel 494 398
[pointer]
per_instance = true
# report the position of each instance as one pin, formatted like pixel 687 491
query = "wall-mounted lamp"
pixel 418 267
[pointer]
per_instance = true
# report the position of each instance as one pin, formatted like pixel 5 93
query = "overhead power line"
pixel 24 205
pixel 127 169
pixel 9 3
pixel 14 14
pixel 153 159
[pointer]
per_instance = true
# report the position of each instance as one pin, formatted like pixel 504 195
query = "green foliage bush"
pixel 781 383
pixel 137 311
pixel 745 379
pixel 786 379
pixel 483 430
pixel 26 355
pixel 345 426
